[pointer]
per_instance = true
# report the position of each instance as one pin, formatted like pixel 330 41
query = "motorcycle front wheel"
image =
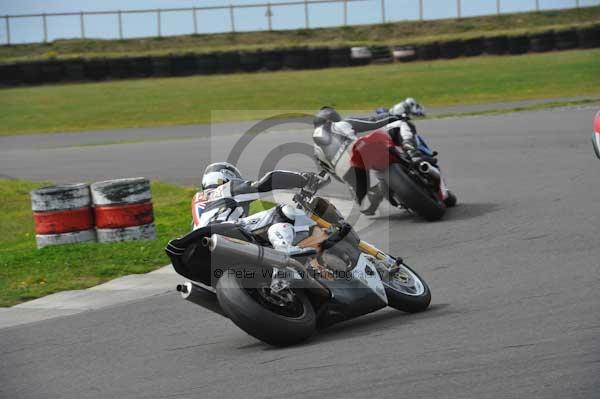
pixel 279 319
pixel 407 291
pixel 413 195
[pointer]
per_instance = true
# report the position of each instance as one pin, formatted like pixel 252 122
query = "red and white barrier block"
pixel 63 214
pixel 596 138
pixel 123 210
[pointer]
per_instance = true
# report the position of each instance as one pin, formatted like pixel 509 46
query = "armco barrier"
pixel 518 44
pixel 541 42
pixel 63 214
pixel 589 36
pixel 123 210
pixel 566 39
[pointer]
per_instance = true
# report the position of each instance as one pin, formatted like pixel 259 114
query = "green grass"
pixel 27 273
pixel 390 33
pixel 190 100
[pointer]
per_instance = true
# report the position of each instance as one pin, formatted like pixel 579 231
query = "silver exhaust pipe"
pixel 428 169
pixel 200 296
pixel 228 252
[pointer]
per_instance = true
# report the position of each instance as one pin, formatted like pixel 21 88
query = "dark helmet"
pixel 326 115
pixel 219 173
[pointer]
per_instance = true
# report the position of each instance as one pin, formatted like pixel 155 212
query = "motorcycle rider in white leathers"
pixel 333 137
pixel 225 196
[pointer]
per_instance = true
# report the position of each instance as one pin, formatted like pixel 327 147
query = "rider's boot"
pixel 372 200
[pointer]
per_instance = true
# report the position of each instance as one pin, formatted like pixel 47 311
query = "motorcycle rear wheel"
pixel 251 311
pixel 413 195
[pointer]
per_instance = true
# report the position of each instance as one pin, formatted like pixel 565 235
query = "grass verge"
pixel 27 273
pixel 190 100
pixel 390 33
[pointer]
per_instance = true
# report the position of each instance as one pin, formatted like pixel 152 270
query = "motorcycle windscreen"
pixel 596 138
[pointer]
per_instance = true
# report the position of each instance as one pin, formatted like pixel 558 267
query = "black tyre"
pixel 413 195
pixel 339 57
pixel 541 42
pixel 427 52
pixel 407 291
pixel 518 44
pixel 474 47
pixel 496 45
pixel 266 321
pixel 452 49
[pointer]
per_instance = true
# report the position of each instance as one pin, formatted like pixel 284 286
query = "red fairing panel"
pixel 596 138
pixel 372 151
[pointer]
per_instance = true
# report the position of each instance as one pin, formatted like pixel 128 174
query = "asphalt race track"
pixel 514 271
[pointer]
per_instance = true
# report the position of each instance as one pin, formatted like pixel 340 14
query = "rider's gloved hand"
pixel 342 230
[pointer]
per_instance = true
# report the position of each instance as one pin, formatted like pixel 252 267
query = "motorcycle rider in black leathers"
pixel 225 196
pixel 333 137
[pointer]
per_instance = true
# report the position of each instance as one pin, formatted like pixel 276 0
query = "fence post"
pixel 537 5
pixel 195 20
pixel 158 23
pixel 7 30
pixel 345 12
pixel 120 25
pixel 231 18
pixel 306 20
pixel 420 10
pixel 45 28
pixel 577 3
pixel 269 15
pixel 81 25
pixel 383 11
pixel 458 9
pixel 498 7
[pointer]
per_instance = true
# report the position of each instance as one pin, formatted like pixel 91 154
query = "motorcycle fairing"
pixel 372 151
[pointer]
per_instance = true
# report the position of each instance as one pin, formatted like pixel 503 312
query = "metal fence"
pixel 231 10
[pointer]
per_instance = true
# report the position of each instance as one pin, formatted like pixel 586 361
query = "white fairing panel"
pixel 366 272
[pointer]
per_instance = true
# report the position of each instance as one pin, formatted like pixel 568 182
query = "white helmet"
pixel 408 107
pixel 281 235
pixel 219 173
